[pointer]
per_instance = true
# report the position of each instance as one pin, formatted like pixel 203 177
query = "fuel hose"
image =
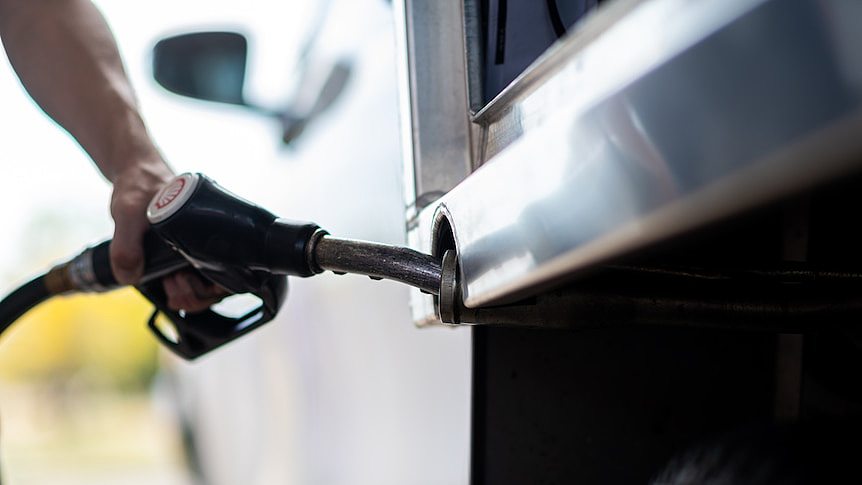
pixel 21 300
pixel 89 271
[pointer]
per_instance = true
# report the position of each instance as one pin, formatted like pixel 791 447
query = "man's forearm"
pixel 67 60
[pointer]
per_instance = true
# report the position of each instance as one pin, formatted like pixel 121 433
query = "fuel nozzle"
pixel 217 230
pixel 226 237
pixel 247 249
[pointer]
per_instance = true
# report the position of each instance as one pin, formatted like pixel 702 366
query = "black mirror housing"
pixel 203 65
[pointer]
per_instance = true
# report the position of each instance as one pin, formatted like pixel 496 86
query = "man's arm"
pixel 67 60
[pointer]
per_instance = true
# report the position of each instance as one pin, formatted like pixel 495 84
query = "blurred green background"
pixel 85 337
pixel 75 405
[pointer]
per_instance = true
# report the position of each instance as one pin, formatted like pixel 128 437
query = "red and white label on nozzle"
pixel 172 197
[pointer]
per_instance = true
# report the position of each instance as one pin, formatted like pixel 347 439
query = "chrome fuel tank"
pixel 646 120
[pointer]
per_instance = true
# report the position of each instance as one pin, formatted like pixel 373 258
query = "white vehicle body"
pixel 341 387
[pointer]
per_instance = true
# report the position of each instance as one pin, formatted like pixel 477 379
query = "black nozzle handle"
pixel 226 236
pixel 232 242
pixel 290 245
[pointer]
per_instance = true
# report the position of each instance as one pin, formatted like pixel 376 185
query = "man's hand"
pixel 133 190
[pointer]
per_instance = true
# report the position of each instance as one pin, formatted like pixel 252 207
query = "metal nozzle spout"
pixel 380 261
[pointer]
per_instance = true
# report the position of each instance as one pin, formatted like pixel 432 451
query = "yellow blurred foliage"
pixel 101 335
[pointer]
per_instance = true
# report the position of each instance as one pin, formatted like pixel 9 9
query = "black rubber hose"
pixel 21 300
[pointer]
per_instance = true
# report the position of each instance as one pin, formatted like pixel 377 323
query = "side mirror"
pixel 203 65
pixel 211 66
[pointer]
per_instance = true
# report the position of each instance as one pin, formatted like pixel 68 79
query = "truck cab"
pixel 644 199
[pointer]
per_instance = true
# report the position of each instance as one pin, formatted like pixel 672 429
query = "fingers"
pixel 133 190
pixel 126 251
pixel 186 291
